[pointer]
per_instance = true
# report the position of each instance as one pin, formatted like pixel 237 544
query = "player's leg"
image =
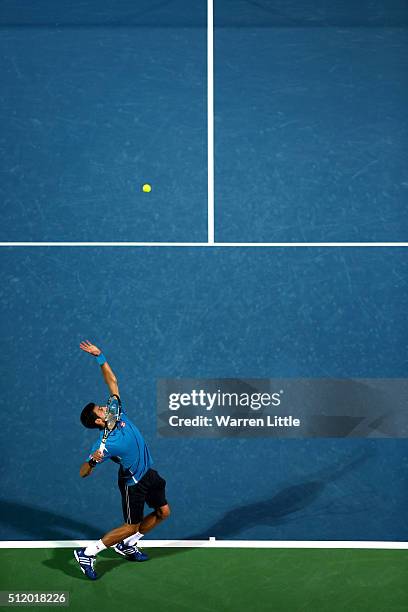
pixel 86 556
pixel 156 499
pixel 120 533
pixel 133 499
pixel 154 519
pixel 152 490
pixel 132 507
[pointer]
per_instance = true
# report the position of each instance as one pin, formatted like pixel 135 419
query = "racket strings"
pixel 112 414
pixel 111 422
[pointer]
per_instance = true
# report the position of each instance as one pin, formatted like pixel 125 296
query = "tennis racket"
pixel 113 414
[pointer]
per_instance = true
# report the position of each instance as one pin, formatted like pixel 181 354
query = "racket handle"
pixel 102 447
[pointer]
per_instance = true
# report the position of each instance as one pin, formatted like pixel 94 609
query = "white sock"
pixel 131 540
pixel 95 548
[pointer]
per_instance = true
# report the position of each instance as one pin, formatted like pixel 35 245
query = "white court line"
pixel 213 543
pixel 206 244
pixel 210 118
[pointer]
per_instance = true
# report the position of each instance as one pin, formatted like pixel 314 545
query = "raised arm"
pixel 108 376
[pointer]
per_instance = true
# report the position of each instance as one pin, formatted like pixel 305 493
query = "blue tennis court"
pixel 309 120
pixel 99 99
pixel 194 312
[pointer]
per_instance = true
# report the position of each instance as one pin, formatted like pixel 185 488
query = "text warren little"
pixel 228 421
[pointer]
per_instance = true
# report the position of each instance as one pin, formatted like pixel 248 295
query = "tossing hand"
pixel 88 347
pixel 97 456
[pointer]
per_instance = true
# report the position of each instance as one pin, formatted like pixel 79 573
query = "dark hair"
pixel 88 417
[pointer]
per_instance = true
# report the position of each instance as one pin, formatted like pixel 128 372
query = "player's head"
pixel 93 416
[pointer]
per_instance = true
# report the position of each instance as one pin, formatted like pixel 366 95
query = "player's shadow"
pixel 278 508
pixel 287 503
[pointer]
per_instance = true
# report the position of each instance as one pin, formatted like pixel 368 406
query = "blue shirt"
pixel 126 446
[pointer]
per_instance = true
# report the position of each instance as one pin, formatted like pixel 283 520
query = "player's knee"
pixel 163 512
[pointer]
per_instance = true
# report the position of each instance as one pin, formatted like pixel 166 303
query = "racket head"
pixel 113 412
pixel 112 417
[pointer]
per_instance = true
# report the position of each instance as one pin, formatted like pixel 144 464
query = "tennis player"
pixel 138 483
